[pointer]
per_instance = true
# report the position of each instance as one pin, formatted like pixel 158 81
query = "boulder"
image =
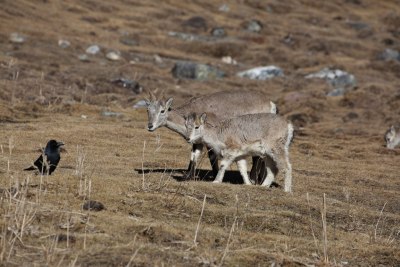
pixel 195 71
pixel 341 81
pixel 389 54
pixel 262 73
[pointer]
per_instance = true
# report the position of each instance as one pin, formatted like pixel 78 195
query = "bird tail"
pixel 31 168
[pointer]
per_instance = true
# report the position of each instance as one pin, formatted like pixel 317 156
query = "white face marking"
pixel 157 113
pixel 392 138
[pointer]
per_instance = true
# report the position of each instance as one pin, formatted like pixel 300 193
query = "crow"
pixel 52 155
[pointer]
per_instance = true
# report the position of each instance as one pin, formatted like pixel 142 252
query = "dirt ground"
pixel 345 205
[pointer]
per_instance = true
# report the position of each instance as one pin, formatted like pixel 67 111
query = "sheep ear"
pixel 392 129
pixel 169 103
pixel 203 118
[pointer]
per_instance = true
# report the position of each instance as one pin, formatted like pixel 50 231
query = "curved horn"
pixel 152 96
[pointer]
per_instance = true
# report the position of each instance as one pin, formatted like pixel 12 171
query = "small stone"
pixel 262 73
pixel 218 32
pixel 195 71
pixel 350 117
pixel 158 59
pixel 389 54
pixel 66 238
pixel 196 22
pixel 113 55
pixel 228 60
pixel 63 43
pixel 93 205
pixel 224 8
pixel 183 36
pixel 110 114
pixel 129 84
pixel 129 40
pixel 17 38
pixel 388 41
pixel 358 25
pixel 254 26
pixel 83 57
pixel 93 49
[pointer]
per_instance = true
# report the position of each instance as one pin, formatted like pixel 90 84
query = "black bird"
pixel 52 155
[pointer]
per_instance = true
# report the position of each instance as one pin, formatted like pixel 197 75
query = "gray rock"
pixel 389 54
pixel 195 71
pixel 134 86
pixel 218 32
pixel 196 22
pixel 93 205
pixel 83 57
pixel 17 38
pixel 358 25
pixel 254 26
pixel 110 114
pixel 140 104
pixel 129 40
pixel 341 81
pixel 93 49
pixel 224 8
pixel 63 43
pixel 262 73
pixel 184 36
pixel 336 92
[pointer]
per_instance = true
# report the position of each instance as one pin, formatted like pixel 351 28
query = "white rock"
pixel 224 8
pixel 17 38
pixel 93 49
pixel 83 57
pixel 340 80
pixel 262 73
pixel 63 43
pixel 113 55
pixel 327 74
pixel 228 60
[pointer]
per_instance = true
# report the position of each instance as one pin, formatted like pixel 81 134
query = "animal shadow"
pixel 232 177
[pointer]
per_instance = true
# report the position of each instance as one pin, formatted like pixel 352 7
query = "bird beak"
pixel 60 143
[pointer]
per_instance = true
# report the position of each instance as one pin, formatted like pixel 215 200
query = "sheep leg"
pixel 283 164
pixel 225 163
pixel 194 156
pixel 214 161
pixel 255 172
pixel 242 165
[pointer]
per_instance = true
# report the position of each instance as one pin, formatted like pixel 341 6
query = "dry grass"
pixel 152 217
pixel 345 207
